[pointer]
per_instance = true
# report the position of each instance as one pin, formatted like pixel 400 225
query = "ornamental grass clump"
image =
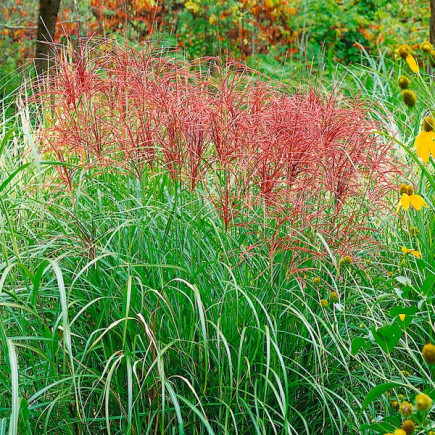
pixel 278 163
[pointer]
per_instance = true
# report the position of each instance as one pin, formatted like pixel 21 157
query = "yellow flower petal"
pixel 412 64
pixel 417 201
pixel 425 144
pixel 404 202
pixel 406 250
pixel 402 317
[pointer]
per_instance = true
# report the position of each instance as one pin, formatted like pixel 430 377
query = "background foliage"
pixel 280 28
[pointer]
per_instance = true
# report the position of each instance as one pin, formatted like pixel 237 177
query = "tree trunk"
pixel 432 21
pixel 48 11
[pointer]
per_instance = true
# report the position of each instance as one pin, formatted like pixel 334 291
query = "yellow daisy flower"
pixel 410 198
pixel 407 251
pixel 404 52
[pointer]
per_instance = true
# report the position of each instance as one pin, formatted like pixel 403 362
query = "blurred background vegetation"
pixel 271 31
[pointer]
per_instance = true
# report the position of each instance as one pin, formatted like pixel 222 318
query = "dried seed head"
pixel 429 353
pixel 423 402
pixel 394 404
pixel 345 261
pixel 426 46
pixel 333 296
pixel 403 188
pixel 406 408
pixel 429 123
pixel 408 426
pixel 404 50
pixel 403 82
pixel 409 97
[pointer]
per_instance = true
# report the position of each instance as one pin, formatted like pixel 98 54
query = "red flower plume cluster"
pixel 304 169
